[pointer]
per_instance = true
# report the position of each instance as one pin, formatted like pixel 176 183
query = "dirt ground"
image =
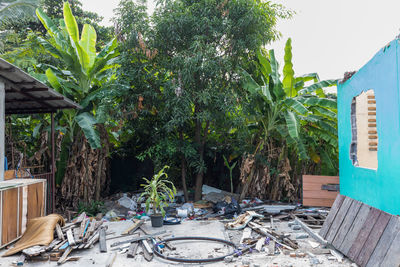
pixel 190 249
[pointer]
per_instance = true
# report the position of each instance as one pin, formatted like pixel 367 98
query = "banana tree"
pixel 84 71
pixel 83 78
pixel 285 107
pixel 294 111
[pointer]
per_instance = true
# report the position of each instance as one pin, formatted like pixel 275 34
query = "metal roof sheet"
pixel 26 95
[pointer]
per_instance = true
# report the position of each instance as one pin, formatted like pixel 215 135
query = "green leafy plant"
pixel 230 168
pixel 85 70
pixel 157 190
pixel 92 208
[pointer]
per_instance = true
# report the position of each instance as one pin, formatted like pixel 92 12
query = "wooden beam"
pixel 24 92
pixel 102 240
pixel 53 98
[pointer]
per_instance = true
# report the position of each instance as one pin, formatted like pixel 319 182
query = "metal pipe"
pixel 53 166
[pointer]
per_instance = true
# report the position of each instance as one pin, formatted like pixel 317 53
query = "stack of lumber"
pixel 81 233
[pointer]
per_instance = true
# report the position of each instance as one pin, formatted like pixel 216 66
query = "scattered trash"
pixel 126 202
pixel 242 221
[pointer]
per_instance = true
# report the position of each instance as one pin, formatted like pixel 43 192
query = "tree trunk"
pixel 185 192
pixel 183 167
pixel 201 143
pixel 84 178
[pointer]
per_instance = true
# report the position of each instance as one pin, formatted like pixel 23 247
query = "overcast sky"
pixel 328 36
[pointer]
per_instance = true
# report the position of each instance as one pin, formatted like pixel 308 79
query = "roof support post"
pixel 53 166
pixel 2 129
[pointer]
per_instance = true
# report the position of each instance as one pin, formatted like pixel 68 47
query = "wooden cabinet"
pixel 20 200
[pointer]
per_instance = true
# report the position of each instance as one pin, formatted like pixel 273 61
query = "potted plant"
pixel 156 191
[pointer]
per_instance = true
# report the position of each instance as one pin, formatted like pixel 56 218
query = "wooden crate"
pixel 20 200
pixel 313 192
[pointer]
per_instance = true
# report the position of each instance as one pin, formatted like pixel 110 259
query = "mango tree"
pixel 201 44
pixel 82 78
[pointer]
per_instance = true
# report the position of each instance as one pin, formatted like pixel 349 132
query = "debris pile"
pixel 255 229
pixel 59 239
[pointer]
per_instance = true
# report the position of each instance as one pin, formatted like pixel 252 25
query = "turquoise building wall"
pixel 379 188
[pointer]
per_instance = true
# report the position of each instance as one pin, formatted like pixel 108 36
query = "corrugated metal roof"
pixel 26 95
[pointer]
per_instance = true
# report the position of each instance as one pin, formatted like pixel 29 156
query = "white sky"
pixel 328 36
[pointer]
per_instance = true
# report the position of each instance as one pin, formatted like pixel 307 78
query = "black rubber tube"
pixel 158 253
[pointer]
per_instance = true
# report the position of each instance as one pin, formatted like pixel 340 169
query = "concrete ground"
pixel 93 257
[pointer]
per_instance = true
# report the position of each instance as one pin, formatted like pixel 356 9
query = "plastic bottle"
pixel 126 202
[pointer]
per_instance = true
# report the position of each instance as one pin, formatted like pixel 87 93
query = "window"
pixel 364 133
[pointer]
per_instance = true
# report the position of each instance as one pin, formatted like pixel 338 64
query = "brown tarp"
pixel 39 231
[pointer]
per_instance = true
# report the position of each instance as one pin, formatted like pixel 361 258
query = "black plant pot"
pixel 156 220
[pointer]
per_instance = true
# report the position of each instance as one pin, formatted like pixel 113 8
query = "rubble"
pixel 279 234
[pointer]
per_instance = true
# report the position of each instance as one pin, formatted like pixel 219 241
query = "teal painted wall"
pixel 379 188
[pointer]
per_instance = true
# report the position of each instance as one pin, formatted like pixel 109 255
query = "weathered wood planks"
pixel 385 242
pixel 340 215
pixel 331 216
pixel 373 238
pixel 368 236
pixel 347 223
pixel 354 229
pixel 314 195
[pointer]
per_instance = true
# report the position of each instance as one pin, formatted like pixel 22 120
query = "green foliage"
pixel 157 190
pixel 92 208
pixel 16 10
pixel 291 112
pixel 230 167
pixel 84 71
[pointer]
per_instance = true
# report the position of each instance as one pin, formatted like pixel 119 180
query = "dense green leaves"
pixel 84 68
pixel 87 123
pixel 290 112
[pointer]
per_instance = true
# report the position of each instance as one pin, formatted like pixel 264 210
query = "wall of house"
pixel 2 122
pixel 378 187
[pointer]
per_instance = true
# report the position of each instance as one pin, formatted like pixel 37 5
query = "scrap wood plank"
pixel 90 230
pixel 245 235
pixel 111 259
pixel 64 256
pixel 258 229
pixel 147 251
pixel 331 216
pixel 319 202
pixel 362 237
pixel 337 222
pixel 92 240
pixel 133 227
pixel 306 228
pixel 385 242
pixel 133 250
pixel 373 238
pixel 320 179
pixel 392 257
pixel 102 240
pixel 70 237
pixel 347 223
pixel 59 232
pixel 355 229
pixel 80 218
pixel 60 245
pixel 83 228
pixel 315 192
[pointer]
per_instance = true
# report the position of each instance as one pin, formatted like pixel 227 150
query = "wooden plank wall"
pixel 366 235
pixel 313 195
pixel 18 205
